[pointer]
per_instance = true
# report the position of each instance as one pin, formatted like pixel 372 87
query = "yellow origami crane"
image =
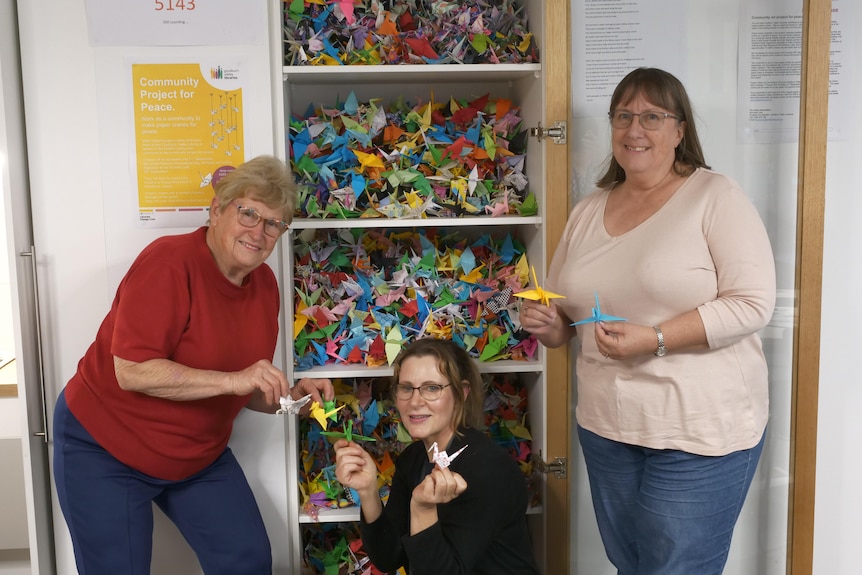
pixel 394 341
pixel 321 415
pixel 367 160
pixel 537 293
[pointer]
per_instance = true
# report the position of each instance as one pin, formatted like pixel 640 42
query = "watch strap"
pixel 661 349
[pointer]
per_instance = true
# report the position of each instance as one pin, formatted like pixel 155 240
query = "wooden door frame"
pixel 811 195
pixel 558 97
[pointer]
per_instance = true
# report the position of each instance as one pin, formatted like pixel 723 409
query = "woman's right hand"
pixel 263 378
pixel 548 323
pixel 355 468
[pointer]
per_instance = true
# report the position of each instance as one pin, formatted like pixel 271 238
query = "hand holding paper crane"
pixel 537 293
pixel 324 414
pixel 597 315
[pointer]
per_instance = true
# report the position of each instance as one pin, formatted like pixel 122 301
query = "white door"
pixel 18 243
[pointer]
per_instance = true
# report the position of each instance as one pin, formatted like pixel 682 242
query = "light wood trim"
pixel 558 374
pixel 814 98
pixel 8 390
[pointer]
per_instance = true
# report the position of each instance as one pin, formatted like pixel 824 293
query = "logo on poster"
pixel 219 73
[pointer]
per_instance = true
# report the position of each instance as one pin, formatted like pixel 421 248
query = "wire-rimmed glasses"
pixel 428 391
pixel 649 120
pixel 250 218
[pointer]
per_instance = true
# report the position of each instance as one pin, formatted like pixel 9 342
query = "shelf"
pixel 351 514
pixel 353 223
pixel 303 89
pixel 345 515
pixel 409 73
pixel 331 371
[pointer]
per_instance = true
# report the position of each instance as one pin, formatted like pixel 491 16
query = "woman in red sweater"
pixel 188 342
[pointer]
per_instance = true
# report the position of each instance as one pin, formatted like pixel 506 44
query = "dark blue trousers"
pixel 108 509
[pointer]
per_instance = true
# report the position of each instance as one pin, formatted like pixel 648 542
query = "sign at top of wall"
pixel 176 22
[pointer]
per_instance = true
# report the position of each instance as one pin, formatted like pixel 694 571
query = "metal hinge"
pixel 559 466
pixel 557 132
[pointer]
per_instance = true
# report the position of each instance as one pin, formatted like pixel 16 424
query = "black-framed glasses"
pixel 250 218
pixel 428 391
pixel 649 120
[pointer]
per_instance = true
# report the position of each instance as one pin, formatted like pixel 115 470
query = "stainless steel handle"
pixel 43 395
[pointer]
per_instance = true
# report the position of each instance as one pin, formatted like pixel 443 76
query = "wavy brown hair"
pixel 662 89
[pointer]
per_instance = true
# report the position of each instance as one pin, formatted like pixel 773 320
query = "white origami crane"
pixel 289 405
pixel 442 458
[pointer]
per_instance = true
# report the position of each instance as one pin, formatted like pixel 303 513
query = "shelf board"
pixel 409 73
pixel 343 515
pixel 354 370
pixel 351 514
pixel 338 223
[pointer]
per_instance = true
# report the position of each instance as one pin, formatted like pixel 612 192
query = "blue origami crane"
pixel 598 315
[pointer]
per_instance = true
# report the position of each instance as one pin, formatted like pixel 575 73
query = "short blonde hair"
pixel 263 178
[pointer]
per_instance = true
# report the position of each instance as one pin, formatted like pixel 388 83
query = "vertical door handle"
pixel 43 395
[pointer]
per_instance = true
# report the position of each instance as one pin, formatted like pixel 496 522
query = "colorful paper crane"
pixel 441 458
pixel 597 315
pixel 347 433
pixel 537 293
pixel 321 415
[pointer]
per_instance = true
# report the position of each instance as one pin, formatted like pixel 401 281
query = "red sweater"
pixel 174 303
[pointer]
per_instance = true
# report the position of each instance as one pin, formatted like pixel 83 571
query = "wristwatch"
pixel 661 350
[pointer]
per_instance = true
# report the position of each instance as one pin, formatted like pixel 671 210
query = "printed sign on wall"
pixel 188 128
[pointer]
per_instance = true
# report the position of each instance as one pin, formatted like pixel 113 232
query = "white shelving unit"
pixel 301 86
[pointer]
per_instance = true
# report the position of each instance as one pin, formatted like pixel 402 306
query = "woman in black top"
pixel 465 519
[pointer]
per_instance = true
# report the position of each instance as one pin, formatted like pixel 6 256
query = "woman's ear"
pixel 680 132
pixel 466 387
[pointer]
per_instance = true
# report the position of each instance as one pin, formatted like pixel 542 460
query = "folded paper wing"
pixel 537 293
pixel 597 315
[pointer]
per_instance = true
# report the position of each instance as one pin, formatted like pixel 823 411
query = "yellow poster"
pixel 188 128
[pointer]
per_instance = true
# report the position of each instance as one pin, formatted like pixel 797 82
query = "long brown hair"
pixel 665 90
pixel 460 371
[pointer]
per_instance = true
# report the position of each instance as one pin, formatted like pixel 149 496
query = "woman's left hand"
pixel 622 340
pixel 439 486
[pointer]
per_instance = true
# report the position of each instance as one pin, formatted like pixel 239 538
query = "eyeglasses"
pixel 650 120
pixel 250 218
pixel 430 392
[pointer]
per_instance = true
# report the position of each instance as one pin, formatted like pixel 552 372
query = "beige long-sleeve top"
pixel 705 249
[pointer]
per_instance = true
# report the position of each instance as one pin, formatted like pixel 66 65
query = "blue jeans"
pixel 109 512
pixel 662 511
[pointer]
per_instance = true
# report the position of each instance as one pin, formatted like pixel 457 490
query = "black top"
pixel 482 531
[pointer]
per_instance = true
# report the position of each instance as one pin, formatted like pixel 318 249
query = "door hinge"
pixel 557 132
pixel 559 466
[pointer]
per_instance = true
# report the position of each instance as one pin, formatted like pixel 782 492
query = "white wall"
pixel 838 504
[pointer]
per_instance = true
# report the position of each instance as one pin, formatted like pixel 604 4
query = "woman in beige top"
pixel 672 403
